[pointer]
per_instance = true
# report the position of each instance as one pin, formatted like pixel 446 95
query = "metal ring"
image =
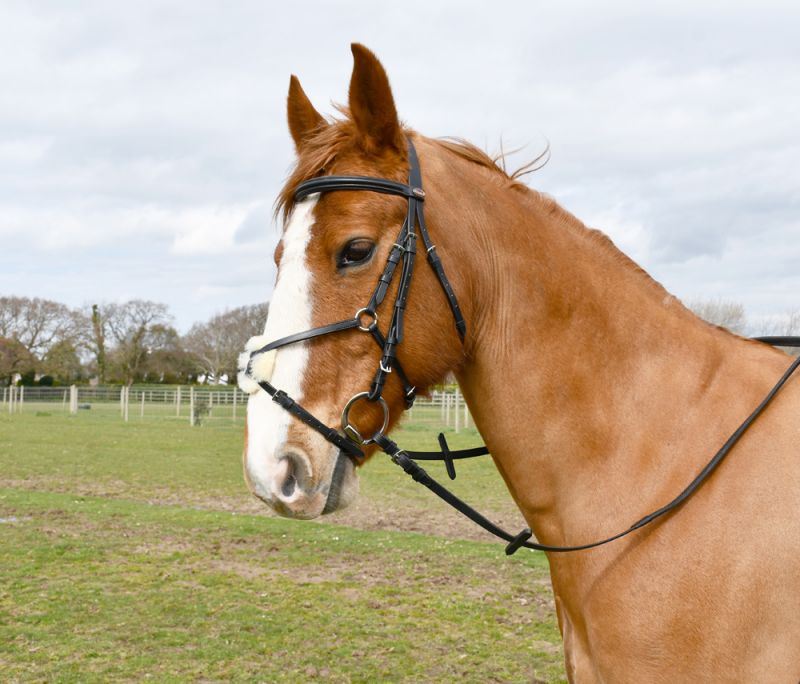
pixel 351 431
pixel 369 313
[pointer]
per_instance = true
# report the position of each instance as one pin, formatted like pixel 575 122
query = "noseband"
pixel 365 320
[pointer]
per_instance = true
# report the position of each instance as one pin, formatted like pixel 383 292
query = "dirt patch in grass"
pixel 437 519
pixel 120 590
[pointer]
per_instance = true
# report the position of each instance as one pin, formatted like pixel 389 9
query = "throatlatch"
pixel 350 440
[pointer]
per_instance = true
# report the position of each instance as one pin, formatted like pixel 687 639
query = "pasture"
pixel 132 551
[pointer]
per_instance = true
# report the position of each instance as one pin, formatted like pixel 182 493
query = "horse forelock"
pixel 335 143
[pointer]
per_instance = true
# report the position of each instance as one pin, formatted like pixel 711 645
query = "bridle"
pixel 350 439
pixel 403 252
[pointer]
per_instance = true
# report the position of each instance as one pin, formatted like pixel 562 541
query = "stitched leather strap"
pixel 415 178
pixel 333 436
pixel 780 340
pixel 329 183
pixel 347 324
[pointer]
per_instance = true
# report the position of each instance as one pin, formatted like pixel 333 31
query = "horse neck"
pixel 587 380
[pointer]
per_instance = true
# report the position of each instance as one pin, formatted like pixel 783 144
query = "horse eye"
pixel 355 252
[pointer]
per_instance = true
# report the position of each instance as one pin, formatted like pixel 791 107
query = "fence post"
pixel 178 402
pixel 73 399
pixel 235 392
pixel 21 399
pixel 141 413
pixel 127 401
pixel 446 398
pixel 466 415
pixel 191 406
pixel 456 410
pixel 11 390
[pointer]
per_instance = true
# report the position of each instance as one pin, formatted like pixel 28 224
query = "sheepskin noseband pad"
pixel 261 365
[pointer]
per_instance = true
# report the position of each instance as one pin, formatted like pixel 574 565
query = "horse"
pixel 598 394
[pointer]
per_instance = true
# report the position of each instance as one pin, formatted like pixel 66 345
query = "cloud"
pixel 142 146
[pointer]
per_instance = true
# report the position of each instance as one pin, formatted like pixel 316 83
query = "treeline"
pixel 45 342
pixel 731 315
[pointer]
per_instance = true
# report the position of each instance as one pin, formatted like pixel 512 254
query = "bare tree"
pixel 167 360
pixel 789 324
pixel 216 344
pixel 132 326
pixel 37 323
pixel 726 314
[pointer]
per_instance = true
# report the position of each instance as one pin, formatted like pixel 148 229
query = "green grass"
pixel 169 462
pixel 133 552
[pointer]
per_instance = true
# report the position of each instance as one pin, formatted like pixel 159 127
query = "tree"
pixel 216 344
pixel 37 323
pixel 787 325
pixel 167 360
pixel 98 342
pixel 133 326
pixel 14 359
pixel 62 362
pixel 726 314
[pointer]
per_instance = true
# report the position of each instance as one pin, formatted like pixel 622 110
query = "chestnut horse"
pixel 598 393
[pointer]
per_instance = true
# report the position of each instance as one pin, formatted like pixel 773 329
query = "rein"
pixel 350 439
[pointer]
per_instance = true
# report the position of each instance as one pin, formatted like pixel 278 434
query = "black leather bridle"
pixel 403 252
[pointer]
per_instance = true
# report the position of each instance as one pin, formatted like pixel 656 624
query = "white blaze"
pixel 289 312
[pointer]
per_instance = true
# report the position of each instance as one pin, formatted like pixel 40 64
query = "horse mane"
pixel 497 162
pixel 544 202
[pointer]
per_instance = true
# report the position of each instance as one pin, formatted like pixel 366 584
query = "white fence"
pixel 193 404
pixel 441 408
pixel 196 405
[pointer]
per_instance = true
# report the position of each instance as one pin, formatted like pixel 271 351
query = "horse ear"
pixel 371 102
pixel 304 120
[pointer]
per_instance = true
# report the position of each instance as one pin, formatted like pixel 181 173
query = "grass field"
pixel 133 552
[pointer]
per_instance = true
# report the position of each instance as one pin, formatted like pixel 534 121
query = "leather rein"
pixel 350 439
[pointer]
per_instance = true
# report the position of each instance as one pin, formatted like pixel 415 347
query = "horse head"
pixel 334 248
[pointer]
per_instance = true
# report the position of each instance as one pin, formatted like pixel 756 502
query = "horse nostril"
pixel 293 475
pixel 287 488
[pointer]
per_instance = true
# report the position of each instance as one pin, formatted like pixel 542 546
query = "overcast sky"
pixel 142 144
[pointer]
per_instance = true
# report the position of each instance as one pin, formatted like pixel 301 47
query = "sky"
pixel 142 145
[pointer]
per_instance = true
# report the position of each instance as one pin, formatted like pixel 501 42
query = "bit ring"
pixel 351 431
